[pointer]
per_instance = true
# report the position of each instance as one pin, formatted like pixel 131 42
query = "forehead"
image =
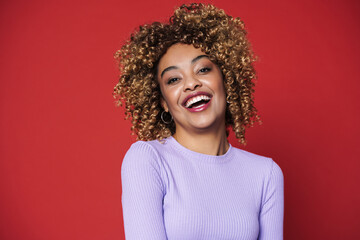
pixel 179 54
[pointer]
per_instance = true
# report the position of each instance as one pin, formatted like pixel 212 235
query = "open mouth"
pixel 197 101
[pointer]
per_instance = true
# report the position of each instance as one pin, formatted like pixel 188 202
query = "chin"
pixel 207 125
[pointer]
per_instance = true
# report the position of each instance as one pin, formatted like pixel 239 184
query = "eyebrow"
pixel 175 67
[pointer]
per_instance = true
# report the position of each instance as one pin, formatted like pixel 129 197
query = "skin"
pixel 183 71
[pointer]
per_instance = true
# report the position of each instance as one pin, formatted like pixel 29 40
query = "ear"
pixel 164 104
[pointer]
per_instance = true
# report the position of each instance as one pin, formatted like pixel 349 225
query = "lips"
pixel 197 99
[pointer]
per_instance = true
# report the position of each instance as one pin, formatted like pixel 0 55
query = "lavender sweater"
pixel 171 192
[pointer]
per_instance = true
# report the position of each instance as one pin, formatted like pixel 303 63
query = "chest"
pixel 211 202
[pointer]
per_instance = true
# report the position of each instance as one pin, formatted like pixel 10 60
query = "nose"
pixel 191 83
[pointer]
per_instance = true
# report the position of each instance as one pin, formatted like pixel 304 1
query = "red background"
pixel 62 139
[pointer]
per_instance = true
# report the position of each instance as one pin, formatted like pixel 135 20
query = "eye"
pixel 204 70
pixel 172 80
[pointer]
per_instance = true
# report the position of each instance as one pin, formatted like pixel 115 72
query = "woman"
pixel 184 83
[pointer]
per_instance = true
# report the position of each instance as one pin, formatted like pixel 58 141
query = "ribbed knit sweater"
pixel 171 192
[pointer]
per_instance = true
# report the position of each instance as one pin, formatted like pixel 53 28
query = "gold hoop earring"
pixel 162 118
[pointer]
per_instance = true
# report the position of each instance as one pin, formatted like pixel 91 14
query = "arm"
pixel 272 209
pixel 142 194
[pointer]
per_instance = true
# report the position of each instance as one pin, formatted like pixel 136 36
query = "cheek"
pixel 171 96
pixel 220 89
pixel 218 84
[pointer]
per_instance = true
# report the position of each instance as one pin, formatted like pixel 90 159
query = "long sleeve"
pixel 142 194
pixel 272 210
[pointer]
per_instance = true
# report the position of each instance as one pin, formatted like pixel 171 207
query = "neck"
pixel 211 143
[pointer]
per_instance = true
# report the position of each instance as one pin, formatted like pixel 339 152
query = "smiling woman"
pixel 192 89
pixel 183 84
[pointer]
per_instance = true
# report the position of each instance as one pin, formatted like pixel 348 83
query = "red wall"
pixel 62 140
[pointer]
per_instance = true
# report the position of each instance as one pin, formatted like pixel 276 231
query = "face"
pixel 192 88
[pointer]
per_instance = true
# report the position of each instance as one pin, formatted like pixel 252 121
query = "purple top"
pixel 171 192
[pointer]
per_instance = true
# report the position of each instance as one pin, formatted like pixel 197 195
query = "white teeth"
pixel 193 100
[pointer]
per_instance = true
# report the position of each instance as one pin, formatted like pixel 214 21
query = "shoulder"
pixel 140 147
pixel 142 154
pixel 144 148
pixel 258 164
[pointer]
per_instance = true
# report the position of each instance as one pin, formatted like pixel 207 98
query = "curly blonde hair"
pixel 220 36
